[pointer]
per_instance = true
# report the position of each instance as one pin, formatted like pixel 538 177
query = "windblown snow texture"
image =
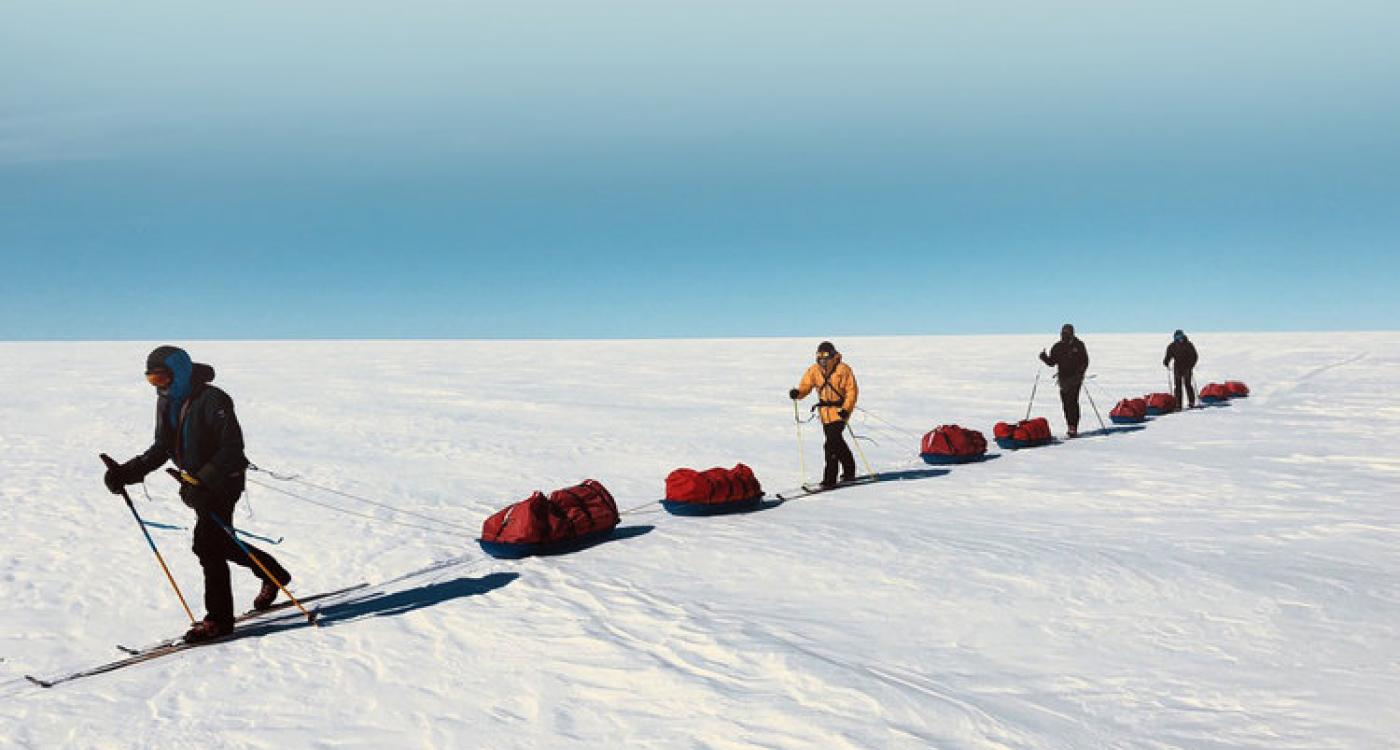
pixel 1227 577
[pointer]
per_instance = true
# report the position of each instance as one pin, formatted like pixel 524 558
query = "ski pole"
pixel 112 464
pixel 310 618
pixel 1033 387
pixel 1096 409
pixel 801 453
pixel 860 450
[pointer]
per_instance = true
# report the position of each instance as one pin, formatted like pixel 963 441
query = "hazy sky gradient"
pixel 531 169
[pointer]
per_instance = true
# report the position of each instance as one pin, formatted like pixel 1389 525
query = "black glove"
pixel 113 480
pixel 792 394
pixel 844 415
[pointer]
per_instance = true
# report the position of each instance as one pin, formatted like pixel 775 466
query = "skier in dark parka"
pixel 196 428
pixel 1182 353
pixel 1072 359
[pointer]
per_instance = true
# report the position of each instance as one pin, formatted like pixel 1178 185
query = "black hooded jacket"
pixel 1184 352
pixel 207 441
pixel 1071 357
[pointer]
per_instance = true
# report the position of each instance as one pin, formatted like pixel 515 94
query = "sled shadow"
pixel 618 534
pixel 403 602
pixel 904 476
pixel 1115 429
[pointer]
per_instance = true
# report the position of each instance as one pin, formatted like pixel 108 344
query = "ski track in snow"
pixel 1225 578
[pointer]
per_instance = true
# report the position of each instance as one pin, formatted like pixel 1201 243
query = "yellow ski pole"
pixel 182 479
pixel 801 452
pixel 112 464
pixel 861 451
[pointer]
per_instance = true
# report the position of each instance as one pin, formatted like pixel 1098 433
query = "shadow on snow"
pixel 403 602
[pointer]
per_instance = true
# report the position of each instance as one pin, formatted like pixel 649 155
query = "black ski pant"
pixel 1183 378
pixel 215 549
pixel 837 453
pixel 1069 399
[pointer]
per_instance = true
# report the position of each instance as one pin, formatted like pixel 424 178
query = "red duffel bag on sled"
pixel 545 524
pixel 717 490
pixel 1129 411
pixel 1027 433
pixel 1236 389
pixel 1160 403
pixel 953 444
pixel 1215 393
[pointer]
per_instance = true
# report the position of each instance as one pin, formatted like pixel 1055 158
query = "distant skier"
pixel 196 428
pixel 836 393
pixel 1072 359
pixel 1181 357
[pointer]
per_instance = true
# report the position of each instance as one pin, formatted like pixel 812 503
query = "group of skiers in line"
pixel 197 429
pixel 837 391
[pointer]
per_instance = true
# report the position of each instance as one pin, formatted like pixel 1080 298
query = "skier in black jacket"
pixel 1072 358
pixel 196 428
pixel 1183 352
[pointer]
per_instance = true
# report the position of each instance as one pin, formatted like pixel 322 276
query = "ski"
pixel 894 475
pixel 250 615
pixel 259 623
pixel 245 617
pixel 817 489
pixel 166 648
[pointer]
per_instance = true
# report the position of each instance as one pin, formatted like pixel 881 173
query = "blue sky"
pixel 637 169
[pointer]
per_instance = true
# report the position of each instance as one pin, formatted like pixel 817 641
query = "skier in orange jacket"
pixel 836 393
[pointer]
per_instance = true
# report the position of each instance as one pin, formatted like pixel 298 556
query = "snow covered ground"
pixel 1228 577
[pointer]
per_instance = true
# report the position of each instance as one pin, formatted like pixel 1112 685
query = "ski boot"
pixel 268 594
pixel 207 630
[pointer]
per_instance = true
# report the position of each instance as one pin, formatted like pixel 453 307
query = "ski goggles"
pixel 159 378
pixel 824 357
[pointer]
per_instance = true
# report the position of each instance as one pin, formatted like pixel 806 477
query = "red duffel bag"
pixel 953 440
pixel 565 515
pixel 1033 430
pixel 717 485
pixel 1129 410
pixel 1214 393
pixel 1161 403
pixel 1236 388
pixel 1022 434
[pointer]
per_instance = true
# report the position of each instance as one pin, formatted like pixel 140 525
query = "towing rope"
pixel 296 479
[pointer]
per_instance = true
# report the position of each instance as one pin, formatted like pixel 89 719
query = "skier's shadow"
pixel 403 602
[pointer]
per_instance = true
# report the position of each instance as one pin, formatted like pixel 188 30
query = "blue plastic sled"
pixel 940 459
pixel 1214 399
pixel 1155 412
pixel 683 508
pixel 1013 445
pixel 1128 420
